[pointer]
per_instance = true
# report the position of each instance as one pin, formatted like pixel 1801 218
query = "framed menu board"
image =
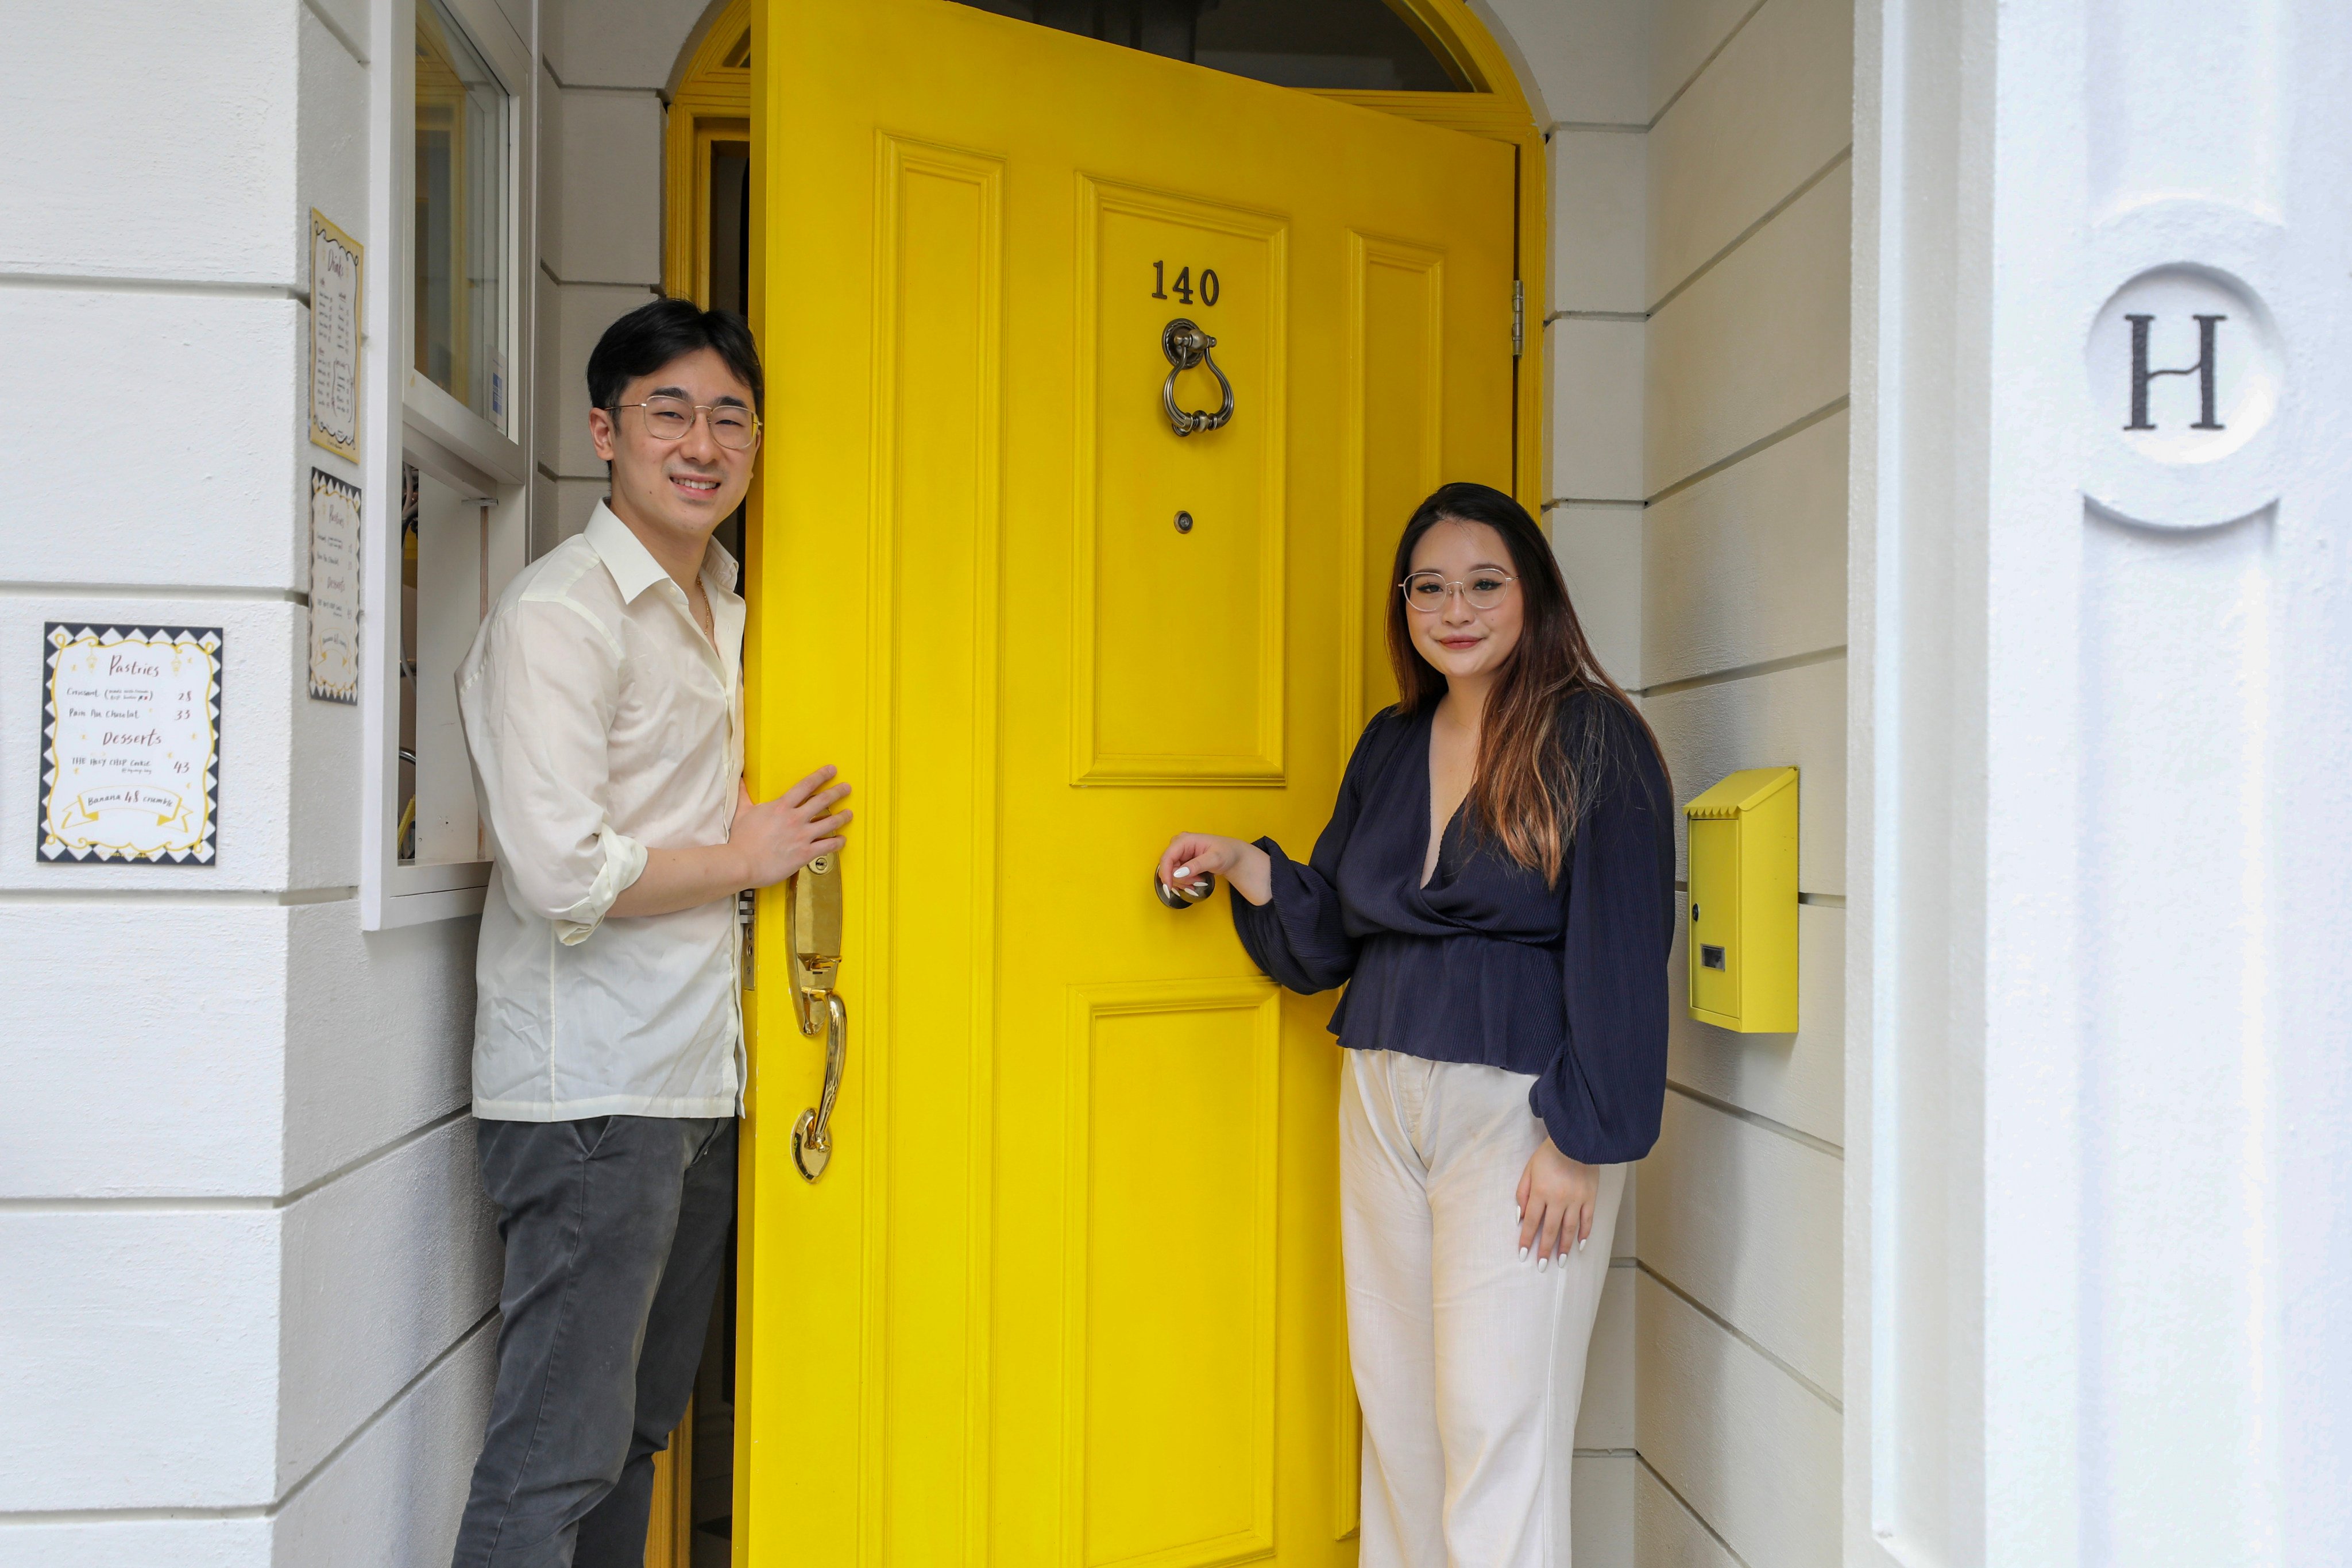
pixel 130 744
pixel 334 338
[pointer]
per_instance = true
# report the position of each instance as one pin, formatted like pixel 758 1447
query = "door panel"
pixel 1067 1292
pixel 1137 476
pixel 1396 425
pixel 1173 1380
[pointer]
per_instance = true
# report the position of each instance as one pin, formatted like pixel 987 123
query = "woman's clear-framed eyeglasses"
pixel 732 426
pixel 1428 591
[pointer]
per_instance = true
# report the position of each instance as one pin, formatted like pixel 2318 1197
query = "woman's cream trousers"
pixel 1469 1363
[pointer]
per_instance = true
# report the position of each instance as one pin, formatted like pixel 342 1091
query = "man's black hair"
pixel 653 334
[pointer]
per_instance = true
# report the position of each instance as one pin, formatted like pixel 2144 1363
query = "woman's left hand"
pixel 1557 1197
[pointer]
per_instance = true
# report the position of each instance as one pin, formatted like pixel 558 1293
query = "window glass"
pixel 1363 45
pixel 460 280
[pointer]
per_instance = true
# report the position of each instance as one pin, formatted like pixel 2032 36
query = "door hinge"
pixel 746 908
pixel 1518 317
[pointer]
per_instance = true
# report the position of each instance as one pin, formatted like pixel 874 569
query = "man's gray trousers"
pixel 615 1230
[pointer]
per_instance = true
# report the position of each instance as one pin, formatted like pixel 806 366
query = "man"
pixel 603 708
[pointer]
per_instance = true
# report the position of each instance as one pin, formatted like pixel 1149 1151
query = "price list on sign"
pixel 335 258
pixel 130 744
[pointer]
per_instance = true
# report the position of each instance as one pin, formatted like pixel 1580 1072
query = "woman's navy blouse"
pixel 1487 963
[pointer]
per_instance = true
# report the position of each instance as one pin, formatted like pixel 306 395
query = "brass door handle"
pixel 813 915
pixel 1187 345
pixel 813 1133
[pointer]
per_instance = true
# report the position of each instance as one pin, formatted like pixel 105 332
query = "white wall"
pixel 605 65
pixel 2098 1252
pixel 245 1269
pixel 1697 344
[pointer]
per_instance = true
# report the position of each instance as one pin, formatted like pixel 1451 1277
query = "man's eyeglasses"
pixel 1428 591
pixel 733 427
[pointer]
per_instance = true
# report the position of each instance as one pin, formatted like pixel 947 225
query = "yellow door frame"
pixel 714 98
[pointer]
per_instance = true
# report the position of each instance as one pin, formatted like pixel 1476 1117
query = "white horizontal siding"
pixel 1682 35
pixel 1584 58
pixel 384 1268
pixel 1668 1535
pixel 1601 1516
pixel 237 1542
pixel 209 385
pixel 166 1100
pixel 1600 552
pixel 1771 111
pixel 1758 343
pixel 1749 564
pixel 379 1030
pixel 607 227
pixel 617 43
pixel 1746 1222
pixel 1796 1080
pixel 394 1498
pixel 1788 718
pixel 184 170
pixel 1749 1446
pixel 142 1368
pixel 1599 186
pixel 390 1499
pixel 1596 410
pixel 331 150
pixel 1605 1418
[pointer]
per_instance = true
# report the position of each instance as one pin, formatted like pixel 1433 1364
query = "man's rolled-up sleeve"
pixel 537 697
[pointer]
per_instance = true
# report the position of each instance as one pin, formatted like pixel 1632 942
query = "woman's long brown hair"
pixel 1535 773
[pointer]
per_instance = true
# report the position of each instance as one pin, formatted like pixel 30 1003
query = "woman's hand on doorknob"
pixel 777 837
pixel 1191 856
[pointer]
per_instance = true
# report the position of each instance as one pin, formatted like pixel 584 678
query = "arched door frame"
pixel 709 100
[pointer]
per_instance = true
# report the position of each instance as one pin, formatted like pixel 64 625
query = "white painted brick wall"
pixel 245 1258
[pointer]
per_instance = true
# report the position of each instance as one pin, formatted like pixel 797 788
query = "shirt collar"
pixel 633 566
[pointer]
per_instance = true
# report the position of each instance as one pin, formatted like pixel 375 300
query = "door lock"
pixel 813 918
pixel 1187 345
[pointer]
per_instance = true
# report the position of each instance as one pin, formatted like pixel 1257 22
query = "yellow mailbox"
pixel 1743 903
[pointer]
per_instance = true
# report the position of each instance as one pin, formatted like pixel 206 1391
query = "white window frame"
pixel 409 419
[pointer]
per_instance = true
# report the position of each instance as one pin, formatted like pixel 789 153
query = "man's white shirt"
pixel 602 724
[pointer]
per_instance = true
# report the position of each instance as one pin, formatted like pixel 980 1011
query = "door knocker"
pixel 1187 345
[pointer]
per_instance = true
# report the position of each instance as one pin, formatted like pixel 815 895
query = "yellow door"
pixel 1067 1292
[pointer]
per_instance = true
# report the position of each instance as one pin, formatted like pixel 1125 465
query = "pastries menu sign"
pixel 130 744
pixel 334 338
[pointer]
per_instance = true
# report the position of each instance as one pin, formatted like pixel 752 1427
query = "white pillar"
pixel 2099 1304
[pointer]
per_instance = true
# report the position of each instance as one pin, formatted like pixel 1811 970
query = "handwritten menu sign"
pixel 334 338
pixel 335 588
pixel 130 744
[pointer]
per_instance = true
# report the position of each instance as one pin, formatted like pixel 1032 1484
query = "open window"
pixel 453 527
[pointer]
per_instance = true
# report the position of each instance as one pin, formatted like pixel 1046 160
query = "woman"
pixel 1497 882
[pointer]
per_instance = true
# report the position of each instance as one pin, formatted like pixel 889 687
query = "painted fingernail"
pixel 1523 1254
pixel 1542 1264
pixel 1579 1244
pixel 1183 871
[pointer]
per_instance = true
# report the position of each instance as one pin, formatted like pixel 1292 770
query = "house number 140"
pixel 1183 284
